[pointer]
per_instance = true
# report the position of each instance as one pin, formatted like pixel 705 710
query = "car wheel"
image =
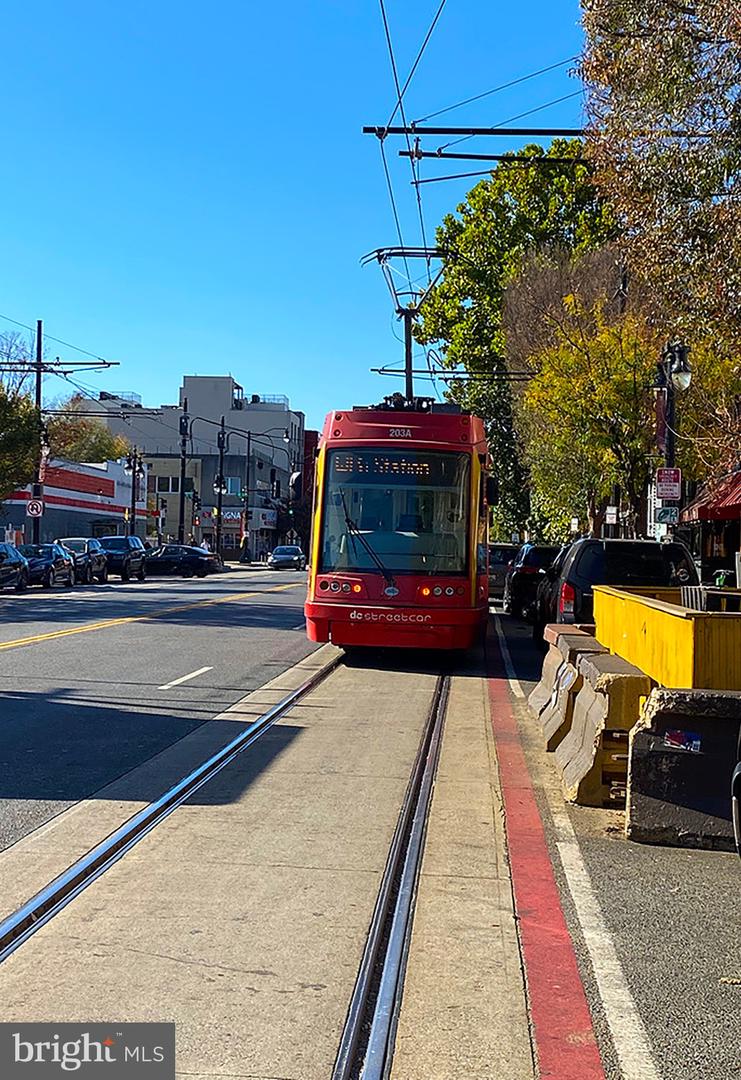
pixel 49 579
pixel 188 573
pixel 103 576
pixel 125 573
pixel 22 582
pixel 70 582
pixel 89 576
pixel 142 575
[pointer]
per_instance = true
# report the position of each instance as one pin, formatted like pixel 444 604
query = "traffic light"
pixel 196 501
pixel 197 519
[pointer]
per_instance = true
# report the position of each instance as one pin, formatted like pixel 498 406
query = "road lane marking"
pixel 627 1029
pixel 185 678
pixel 514 682
pixel 138 618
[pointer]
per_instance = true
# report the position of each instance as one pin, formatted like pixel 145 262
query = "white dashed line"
pixel 185 678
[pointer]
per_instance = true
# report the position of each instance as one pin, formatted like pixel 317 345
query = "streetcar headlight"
pixel 437 591
pixel 324 585
pixel 450 591
pixel 335 586
pixel 346 586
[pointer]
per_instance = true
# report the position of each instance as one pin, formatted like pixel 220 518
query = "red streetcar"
pixel 399 552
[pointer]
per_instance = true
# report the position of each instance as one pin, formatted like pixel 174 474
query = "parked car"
pixel 286 557
pixel 736 805
pixel 13 568
pixel 566 594
pixel 91 561
pixel 48 564
pixel 180 559
pixel 500 555
pixel 125 556
pixel 521 580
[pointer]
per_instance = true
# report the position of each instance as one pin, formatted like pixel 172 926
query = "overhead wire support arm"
pixel 525 159
pixel 381 132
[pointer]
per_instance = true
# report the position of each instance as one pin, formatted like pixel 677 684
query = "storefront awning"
pixel 718 501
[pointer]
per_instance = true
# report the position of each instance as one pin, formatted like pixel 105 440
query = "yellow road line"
pixel 139 618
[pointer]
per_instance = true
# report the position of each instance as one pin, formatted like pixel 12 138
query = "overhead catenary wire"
pixel 400 105
pixel 496 89
pixel 49 337
pixel 423 46
pixel 519 116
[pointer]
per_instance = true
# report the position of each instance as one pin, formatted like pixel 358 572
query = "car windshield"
pixel 114 543
pixel 286 551
pixel 410 507
pixel 34 551
pixel 74 545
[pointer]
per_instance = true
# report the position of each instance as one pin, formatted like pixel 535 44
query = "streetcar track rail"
pixel 17 928
pixel 367 1043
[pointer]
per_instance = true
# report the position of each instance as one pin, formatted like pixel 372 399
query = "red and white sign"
pixel 34 508
pixel 668 483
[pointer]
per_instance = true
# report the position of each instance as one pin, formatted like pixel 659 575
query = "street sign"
pixel 34 508
pixel 668 483
pixel 611 513
pixel 575 525
pixel 667 515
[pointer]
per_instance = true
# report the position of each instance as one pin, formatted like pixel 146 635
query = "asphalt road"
pixel 85 676
pixel 673 915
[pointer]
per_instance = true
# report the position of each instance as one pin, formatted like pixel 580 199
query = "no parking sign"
pixel 34 508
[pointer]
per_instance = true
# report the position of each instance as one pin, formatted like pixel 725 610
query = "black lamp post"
pixel 674 376
pixel 135 468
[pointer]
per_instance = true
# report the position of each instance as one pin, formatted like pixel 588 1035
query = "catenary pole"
pixel 183 461
pixel 37 489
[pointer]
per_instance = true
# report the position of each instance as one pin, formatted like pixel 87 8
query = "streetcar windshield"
pixel 410 506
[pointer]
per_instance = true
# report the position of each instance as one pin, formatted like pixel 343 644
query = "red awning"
pixel 718 501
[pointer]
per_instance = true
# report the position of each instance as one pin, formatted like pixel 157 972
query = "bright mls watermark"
pixel 110 1051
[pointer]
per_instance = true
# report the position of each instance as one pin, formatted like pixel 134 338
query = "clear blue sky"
pixel 185 187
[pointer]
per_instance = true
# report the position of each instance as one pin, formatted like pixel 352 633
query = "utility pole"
pixel 37 488
pixel 221 440
pixel 183 460
pixel 408 315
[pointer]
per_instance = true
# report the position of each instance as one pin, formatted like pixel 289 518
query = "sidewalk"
pixel 464 1012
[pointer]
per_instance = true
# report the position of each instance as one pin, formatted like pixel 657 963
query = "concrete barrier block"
pixel 682 754
pixel 542 692
pixel 556 717
pixel 593 754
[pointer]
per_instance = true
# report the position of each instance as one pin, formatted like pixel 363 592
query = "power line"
pixel 419 57
pixel 48 337
pixel 400 104
pixel 393 208
pixel 496 89
pixel 519 116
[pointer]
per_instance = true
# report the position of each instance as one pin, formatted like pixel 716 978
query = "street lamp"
pixel 134 468
pixel 674 376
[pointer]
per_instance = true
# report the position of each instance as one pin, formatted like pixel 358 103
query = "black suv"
pixel 125 556
pixel 565 591
pixel 13 568
pixel 91 562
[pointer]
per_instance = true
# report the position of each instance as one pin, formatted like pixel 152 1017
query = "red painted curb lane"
pixel 565 1042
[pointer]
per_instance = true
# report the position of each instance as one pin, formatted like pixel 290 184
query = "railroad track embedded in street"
pixel 49 901
pixel 367 1043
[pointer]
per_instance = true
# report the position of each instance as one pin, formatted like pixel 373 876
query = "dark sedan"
pixel 13 568
pixel 287 557
pixel 181 559
pixel 521 581
pixel 49 564
pixel 91 562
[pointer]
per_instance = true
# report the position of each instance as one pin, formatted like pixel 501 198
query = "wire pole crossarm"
pixel 411 129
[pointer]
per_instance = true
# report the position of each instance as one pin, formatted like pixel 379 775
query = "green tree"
pixel 19 440
pixel 520 209
pixel 77 437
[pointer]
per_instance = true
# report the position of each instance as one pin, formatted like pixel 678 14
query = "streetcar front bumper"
pixel 382 626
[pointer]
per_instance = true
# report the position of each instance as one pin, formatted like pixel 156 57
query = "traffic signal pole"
pixel 183 461
pixel 220 483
